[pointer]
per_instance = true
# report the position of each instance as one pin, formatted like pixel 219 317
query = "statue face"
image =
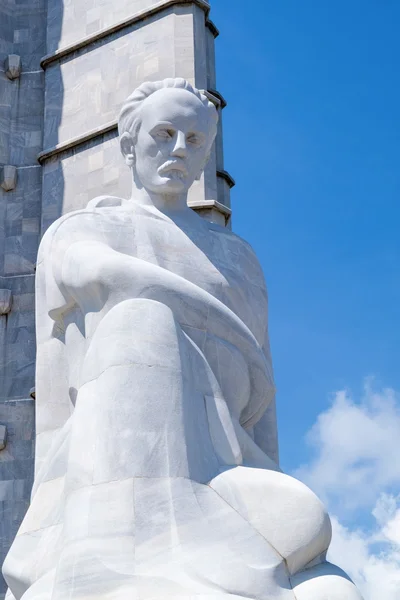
pixel 173 140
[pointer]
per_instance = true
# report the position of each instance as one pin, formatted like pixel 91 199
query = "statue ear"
pixel 127 148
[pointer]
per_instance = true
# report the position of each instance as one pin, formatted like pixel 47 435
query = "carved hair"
pixel 129 118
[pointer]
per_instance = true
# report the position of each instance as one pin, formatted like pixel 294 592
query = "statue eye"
pixel 165 134
pixel 194 139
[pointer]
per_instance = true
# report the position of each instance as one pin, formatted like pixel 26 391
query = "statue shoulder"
pixel 84 225
pixel 240 252
pixel 77 225
pixel 230 238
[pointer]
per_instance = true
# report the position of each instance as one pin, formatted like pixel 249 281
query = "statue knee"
pixel 282 509
pixel 324 582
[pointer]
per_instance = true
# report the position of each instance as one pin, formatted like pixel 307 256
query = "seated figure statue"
pixel 153 370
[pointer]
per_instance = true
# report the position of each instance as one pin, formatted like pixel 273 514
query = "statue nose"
pixel 180 145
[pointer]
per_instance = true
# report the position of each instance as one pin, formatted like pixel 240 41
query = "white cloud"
pixel 371 558
pixel 356 446
pixel 356 470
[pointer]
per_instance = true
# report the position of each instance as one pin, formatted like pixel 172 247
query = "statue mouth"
pixel 173 168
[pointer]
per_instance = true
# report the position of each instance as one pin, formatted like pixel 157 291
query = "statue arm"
pixel 80 273
pixel 95 274
pixel 98 277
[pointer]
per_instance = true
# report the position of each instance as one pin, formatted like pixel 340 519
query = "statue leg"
pixel 140 411
pixel 285 511
pixel 139 417
pixel 139 519
pixel 295 523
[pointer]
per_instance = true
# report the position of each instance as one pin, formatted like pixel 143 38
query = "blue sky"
pixel 312 137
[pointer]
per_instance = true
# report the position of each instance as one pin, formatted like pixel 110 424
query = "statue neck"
pixel 166 203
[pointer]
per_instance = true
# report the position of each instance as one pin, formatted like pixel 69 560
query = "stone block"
pixel 71 179
pixel 8 177
pixel 5 301
pixel 3 437
pixel 20 235
pixel 17 362
pixel 13 66
pixel 27 106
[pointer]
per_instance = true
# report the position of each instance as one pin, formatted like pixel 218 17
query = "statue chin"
pixel 173 184
pixel 152 484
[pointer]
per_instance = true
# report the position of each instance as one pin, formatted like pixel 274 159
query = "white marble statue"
pixel 153 370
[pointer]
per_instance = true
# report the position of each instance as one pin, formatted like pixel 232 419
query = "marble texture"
pixel 16 468
pixel 69 22
pixel 22 33
pixel 153 371
pixel 17 340
pixel 5 301
pixel 21 119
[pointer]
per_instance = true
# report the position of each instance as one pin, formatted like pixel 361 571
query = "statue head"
pixel 166 130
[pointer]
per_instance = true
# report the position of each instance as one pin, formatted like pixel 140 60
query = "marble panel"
pixel 21 118
pixel 23 31
pixel 224 192
pixel 17 339
pixel 206 187
pixel 69 22
pixel 86 90
pixel 6 32
pixel 219 145
pixel 211 71
pixel 19 236
pixel 199 37
pixel 73 178
pixel 16 470
pixel 27 119
pixel 7 103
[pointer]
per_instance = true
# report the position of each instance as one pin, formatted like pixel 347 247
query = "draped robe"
pixel 153 371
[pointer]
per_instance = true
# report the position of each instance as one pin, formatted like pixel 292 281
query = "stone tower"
pixel 65 68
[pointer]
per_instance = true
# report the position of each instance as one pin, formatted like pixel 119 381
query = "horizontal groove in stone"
pixel 136 18
pixel 214 96
pixel 14 400
pixel 4 278
pixel 74 142
pixel 19 167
